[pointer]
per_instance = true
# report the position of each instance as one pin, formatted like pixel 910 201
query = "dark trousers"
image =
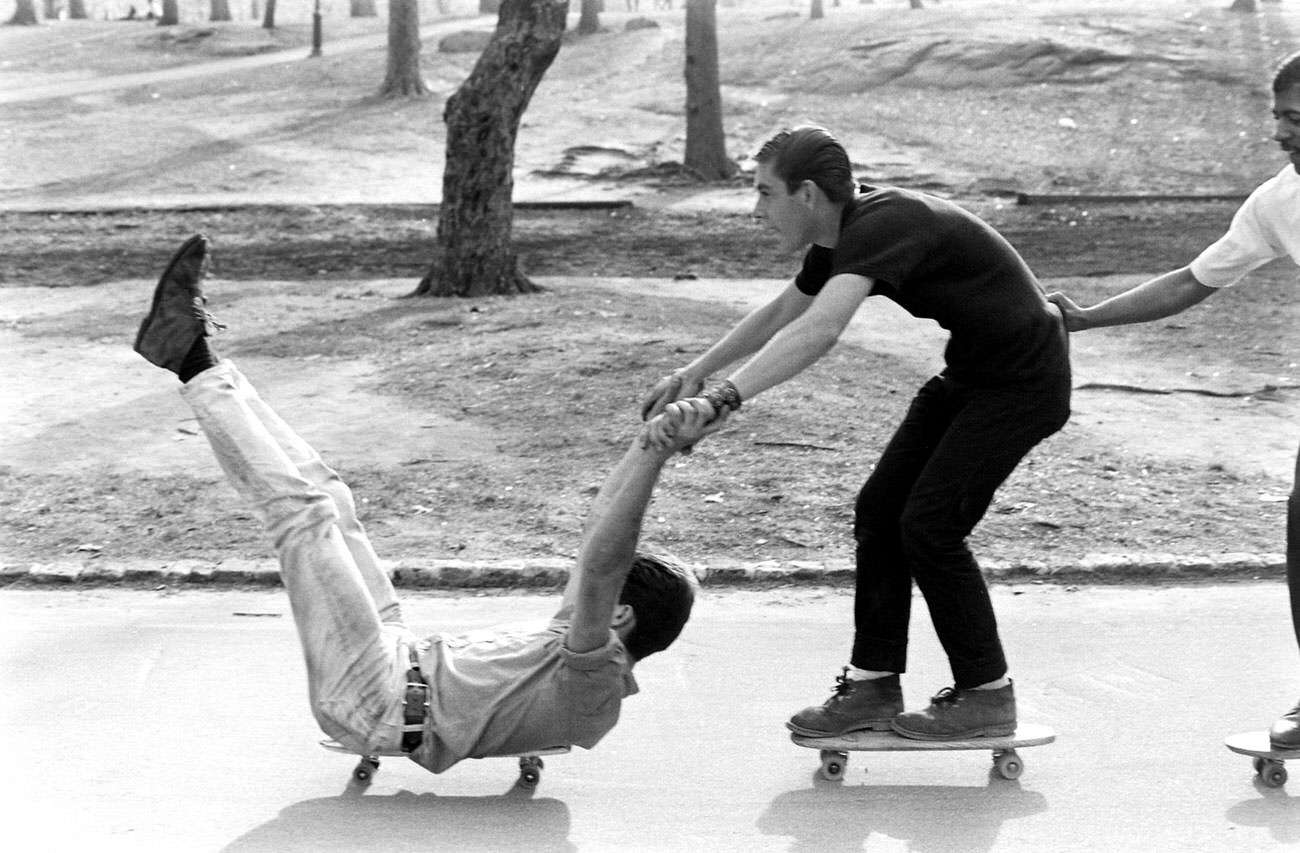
pixel 1293 549
pixel 930 488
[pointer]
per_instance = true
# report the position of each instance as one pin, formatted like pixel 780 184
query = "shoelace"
pixel 842 683
pixel 204 316
pixel 946 696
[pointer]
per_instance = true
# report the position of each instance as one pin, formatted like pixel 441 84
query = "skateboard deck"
pixel 530 763
pixel 1269 763
pixel 835 751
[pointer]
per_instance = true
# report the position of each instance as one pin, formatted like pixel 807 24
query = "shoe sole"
pixel 869 726
pixel 969 734
pixel 182 252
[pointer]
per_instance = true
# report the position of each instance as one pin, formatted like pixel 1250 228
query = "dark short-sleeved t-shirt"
pixel 941 262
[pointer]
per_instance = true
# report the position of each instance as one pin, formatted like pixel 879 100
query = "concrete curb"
pixel 552 573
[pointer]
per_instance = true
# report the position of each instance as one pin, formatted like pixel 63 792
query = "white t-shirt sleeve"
pixel 1248 244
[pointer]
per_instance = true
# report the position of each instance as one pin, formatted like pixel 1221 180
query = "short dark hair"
pixel 810 153
pixel 1287 74
pixel 661 592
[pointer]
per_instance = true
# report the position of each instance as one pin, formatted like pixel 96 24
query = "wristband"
pixel 723 394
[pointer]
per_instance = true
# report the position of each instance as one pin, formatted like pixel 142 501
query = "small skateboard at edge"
pixel 1007 762
pixel 1269 763
pixel 530 763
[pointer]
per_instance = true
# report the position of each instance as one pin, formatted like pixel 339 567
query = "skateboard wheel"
pixel 530 771
pixel 365 769
pixel 1273 774
pixel 833 765
pixel 1009 765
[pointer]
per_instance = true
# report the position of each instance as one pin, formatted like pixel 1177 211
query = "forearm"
pixel 613 526
pixel 1160 297
pixel 750 334
pixel 785 356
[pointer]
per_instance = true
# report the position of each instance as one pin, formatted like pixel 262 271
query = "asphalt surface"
pixel 163 720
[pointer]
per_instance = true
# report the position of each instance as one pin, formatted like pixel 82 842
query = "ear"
pixel 624 615
pixel 807 193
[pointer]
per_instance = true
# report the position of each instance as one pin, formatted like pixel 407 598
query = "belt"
pixel 415 706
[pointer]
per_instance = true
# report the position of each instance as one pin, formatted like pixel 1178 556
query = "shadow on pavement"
pixel 834 816
pixel 408 821
pixel 1276 810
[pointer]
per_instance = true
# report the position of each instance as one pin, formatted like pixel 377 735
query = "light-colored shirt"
pixel 1265 227
pixel 516 688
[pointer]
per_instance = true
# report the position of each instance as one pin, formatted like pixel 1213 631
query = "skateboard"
pixel 1008 763
pixel 1269 762
pixel 530 763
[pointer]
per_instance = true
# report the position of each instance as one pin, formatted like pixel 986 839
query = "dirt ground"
pixel 481 429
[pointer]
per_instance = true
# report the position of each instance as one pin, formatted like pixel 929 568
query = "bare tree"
pixel 363 9
pixel 589 17
pixel 403 78
pixel 24 15
pixel 475 253
pixel 706 143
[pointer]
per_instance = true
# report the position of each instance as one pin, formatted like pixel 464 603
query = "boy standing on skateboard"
pixel 1265 227
pixel 373 685
pixel 1005 387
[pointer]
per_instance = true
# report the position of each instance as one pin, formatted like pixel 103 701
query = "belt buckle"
pixel 414 711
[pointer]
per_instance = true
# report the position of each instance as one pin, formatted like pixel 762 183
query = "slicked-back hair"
pixel 810 153
pixel 1287 74
pixel 661 592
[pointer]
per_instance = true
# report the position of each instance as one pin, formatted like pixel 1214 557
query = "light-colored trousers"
pixel 347 613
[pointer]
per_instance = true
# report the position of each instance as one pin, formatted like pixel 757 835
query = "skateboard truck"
pixel 530 763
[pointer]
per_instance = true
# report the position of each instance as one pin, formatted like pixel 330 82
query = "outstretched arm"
pixel 1162 296
pixel 613 526
pixel 795 347
pixel 807 339
pixel 744 339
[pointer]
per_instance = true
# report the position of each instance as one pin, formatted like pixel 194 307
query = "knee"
pixel 930 535
pixel 297 515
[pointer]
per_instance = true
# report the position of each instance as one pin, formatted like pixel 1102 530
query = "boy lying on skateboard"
pixel 374 686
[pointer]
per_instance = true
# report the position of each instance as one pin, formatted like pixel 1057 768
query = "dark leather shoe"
pixel 956 714
pixel 1285 733
pixel 855 706
pixel 178 317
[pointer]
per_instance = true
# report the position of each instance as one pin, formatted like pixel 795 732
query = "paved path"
pixel 136 721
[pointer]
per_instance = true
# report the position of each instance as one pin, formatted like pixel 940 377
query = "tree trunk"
pixel 476 256
pixel 489 7
pixel 1243 6
pixel 77 10
pixel 171 13
pixel 706 144
pixel 24 15
pixel 403 79
pixel 817 11
pixel 917 4
pixel 365 9
pixel 589 19
pixel 220 10
pixel 268 19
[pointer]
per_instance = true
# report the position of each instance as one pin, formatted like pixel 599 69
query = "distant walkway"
pixel 71 88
